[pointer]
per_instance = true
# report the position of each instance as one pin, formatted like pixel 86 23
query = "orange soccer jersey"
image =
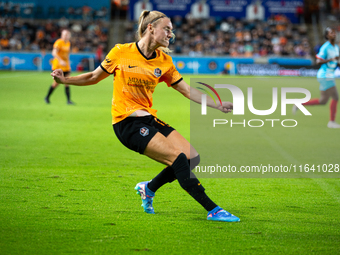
pixel 136 77
pixel 63 51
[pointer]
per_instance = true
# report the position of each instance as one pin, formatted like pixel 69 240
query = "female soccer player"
pixel 328 56
pixel 137 68
pixel 61 54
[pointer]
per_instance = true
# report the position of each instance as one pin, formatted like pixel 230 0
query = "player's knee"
pixel 174 154
pixel 193 162
pixel 323 101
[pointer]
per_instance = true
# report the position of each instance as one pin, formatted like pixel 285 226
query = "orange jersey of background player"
pixel 136 78
pixel 63 51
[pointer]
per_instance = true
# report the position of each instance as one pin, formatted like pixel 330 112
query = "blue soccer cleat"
pixel 218 214
pixel 146 195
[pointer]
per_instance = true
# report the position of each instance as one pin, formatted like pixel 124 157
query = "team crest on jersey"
pixel 108 60
pixel 158 72
pixel 144 131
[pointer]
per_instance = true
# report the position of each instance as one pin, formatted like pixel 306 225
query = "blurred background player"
pixel 328 56
pixel 137 68
pixel 61 54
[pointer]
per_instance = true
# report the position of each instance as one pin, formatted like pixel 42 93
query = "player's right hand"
pixel 58 76
pixel 225 107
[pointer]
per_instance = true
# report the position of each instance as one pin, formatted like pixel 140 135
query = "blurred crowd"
pixel 236 38
pixel 31 11
pixel 17 34
pixel 194 37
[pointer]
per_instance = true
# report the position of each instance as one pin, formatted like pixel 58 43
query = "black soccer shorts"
pixel 136 132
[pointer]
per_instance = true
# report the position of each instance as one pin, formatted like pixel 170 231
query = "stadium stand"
pixel 238 38
pixel 25 35
pixel 29 10
pixel 33 28
pixel 276 36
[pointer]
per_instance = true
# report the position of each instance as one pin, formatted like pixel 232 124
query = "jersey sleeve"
pixel 111 60
pixel 322 53
pixel 57 44
pixel 172 76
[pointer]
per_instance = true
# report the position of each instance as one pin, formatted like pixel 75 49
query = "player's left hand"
pixel 225 107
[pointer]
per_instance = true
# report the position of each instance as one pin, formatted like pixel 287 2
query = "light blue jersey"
pixel 327 51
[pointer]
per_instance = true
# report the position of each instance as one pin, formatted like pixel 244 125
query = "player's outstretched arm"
pixel 85 79
pixel 323 61
pixel 196 96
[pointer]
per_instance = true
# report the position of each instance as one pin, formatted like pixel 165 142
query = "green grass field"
pixel 67 184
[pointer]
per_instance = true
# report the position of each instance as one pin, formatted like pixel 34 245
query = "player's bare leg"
pixel 54 86
pixel 174 151
pixel 173 142
pixel 68 92
pixel 324 98
pixel 182 144
pixel 50 91
pixel 162 150
pixel 333 93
